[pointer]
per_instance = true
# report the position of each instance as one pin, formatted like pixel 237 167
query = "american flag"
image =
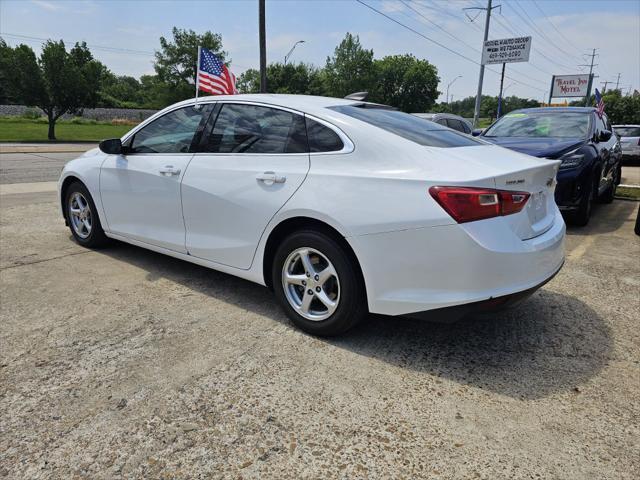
pixel 599 103
pixel 213 76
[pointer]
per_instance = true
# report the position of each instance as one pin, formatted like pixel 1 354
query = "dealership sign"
pixel 506 50
pixel 570 86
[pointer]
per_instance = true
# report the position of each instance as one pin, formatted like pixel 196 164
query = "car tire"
pixel 637 227
pixel 317 284
pixel 581 216
pixel 610 192
pixel 82 217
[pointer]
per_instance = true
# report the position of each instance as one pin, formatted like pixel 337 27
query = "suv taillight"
pixel 467 204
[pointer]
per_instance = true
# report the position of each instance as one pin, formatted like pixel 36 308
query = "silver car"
pixel 448 120
pixel 629 141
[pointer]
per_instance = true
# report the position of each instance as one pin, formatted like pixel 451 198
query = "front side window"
pixel 256 129
pixel 171 133
pixel 407 126
pixel 541 124
pixel 321 138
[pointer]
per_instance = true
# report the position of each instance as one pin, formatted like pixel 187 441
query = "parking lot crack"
pixel 42 261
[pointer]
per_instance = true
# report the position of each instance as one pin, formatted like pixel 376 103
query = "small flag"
pixel 599 104
pixel 213 76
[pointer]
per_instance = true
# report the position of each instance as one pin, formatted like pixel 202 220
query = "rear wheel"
pixel 82 217
pixel 317 284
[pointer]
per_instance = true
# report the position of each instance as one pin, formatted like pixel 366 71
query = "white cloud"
pixel 51 6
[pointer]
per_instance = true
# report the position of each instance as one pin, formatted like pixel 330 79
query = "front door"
pixel 252 160
pixel 140 189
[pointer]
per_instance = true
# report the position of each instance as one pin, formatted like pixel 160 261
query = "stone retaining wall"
pixel 103 114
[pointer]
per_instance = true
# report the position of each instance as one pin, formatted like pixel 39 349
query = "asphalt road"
pixel 126 363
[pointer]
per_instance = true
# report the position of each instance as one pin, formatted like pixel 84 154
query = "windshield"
pixel 628 131
pixel 408 126
pixel 543 124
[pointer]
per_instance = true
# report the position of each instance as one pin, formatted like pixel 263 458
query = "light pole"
pixel 286 57
pixel 451 83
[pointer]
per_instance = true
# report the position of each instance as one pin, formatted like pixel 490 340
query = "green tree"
pixel 6 66
pixel 176 60
pixel 298 78
pixel 405 82
pixel 350 69
pixel 59 82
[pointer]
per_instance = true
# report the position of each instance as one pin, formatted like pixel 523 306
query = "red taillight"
pixel 467 204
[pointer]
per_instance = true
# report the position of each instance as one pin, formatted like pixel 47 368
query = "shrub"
pixel 31 114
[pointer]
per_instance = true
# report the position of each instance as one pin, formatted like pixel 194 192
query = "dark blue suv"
pixel 580 138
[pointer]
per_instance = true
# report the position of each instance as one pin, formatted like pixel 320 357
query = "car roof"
pixel 303 103
pixel 555 109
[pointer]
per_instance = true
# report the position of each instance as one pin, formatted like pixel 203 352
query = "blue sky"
pixel 135 26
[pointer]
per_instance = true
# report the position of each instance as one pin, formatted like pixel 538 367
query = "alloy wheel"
pixel 80 215
pixel 311 284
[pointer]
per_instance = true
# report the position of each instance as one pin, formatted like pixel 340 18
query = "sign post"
pixel 500 96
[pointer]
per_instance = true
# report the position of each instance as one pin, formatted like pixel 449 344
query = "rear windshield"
pixel 628 131
pixel 408 126
pixel 541 124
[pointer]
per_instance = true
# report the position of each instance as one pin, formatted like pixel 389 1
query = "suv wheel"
pixel 317 284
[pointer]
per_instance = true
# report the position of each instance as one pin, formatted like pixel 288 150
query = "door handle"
pixel 269 178
pixel 169 170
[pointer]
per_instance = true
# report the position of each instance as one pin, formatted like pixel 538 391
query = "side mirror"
pixel 605 135
pixel 113 146
pixel 477 131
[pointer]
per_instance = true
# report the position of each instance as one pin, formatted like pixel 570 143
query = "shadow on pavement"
pixel 550 343
pixel 606 218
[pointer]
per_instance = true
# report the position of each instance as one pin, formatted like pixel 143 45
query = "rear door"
pixel 251 160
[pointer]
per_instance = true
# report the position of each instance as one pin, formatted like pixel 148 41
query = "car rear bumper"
pixel 457 312
pixel 415 271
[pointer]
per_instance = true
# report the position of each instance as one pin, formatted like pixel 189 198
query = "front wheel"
pixel 581 216
pixel 317 284
pixel 82 217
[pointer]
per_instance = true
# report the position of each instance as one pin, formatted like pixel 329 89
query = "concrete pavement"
pixel 125 363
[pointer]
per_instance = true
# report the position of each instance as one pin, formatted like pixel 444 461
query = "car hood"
pixel 538 147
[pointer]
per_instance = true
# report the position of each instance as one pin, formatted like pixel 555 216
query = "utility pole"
pixel 618 81
pixel 263 47
pixel 476 111
pixel 449 84
pixel 591 65
pixel 604 89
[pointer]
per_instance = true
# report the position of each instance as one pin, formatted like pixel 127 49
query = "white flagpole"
pixel 197 77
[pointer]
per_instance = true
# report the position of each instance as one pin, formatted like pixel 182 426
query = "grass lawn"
pixel 16 129
pixel 630 193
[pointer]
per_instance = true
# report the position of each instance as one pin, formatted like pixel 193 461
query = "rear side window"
pixel 455 124
pixel 321 138
pixel 408 126
pixel 171 133
pixel 256 129
pixel 628 131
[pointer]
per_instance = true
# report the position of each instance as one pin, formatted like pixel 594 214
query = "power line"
pixel 461 55
pixel 95 47
pixel 554 26
pixel 439 27
pixel 127 51
pixel 530 23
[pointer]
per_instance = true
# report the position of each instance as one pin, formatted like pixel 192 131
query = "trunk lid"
pixel 509 170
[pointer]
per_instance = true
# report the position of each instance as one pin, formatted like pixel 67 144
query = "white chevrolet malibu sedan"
pixel 341 207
